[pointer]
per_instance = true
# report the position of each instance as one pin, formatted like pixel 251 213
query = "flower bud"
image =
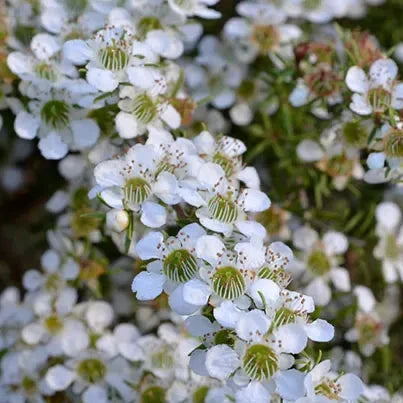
pixel 117 220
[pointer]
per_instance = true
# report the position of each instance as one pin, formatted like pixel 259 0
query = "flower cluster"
pixel 153 125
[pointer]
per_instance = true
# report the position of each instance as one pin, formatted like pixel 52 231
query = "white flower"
pixel 106 56
pixel 321 259
pixel 390 246
pixel 174 261
pixel 56 118
pixel 321 382
pixel 130 181
pixel 377 92
pixel 93 375
pixel 226 206
pixel 194 8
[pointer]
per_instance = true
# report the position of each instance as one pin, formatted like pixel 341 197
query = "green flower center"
pixel 247 89
pixel 92 370
pixel 144 109
pixel 284 316
pixel 56 114
pixel 271 219
pixel 318 263
pixel 187 5
pixel 311 4
pixel 53 282
pixel 379 98
pixel 267 37
pixel 53 324
pixel 45 71
pixel 199 396
pixel 393 144
pixel 136 191
pixel 225 336
pixel 162 359
pixel 355 133
pixel 329 389
pixel 222 209
pixel 76 7
pixel 155 394
pixel 147 24
pixel 392 249
pixel 225 163
pixel 29 386
pixel 180 266
pixel 279 276
pixel 260 362
pixel 228 283
pixel 113 58
pixel 323 82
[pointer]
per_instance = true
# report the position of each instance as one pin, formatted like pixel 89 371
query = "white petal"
pixel 147 247
pixel 365 297
pixel 360 105
pixel 335 242
pixel 207 248
pixel 178 304
pixel 250 256
pixel 341 279
pixel 310 151
pixel 293 338
pixel 254 392
pixel 148 285
pixel 126 125
pixel 77 51
pixel 254 200
pixel 290 384
pixel 376 160
pixel 252 325
pixel 299 95
pixel 383 72
pixel 166 188
pixel 320 330
pixel 59 378
pixel 221 361
pixel 305 237
pixel 198 325
pixel 357 80
pixel 44 46
pixel 19 63
pixel 388 214
pixel 52 147
pixel 197 362
pixel 319 291
pixel 99 315
pixel 153 215
pixel 85 133
pixel 351 387
pixel 196 292
pixel 95 393
pixel 171 117
pixel 250 177
pixel 74 338
pixel 164 44
pixel 227 314
pixel 32 333
pixel 264 291
pixel 26 125
pixel 103 80
pixel 108 173
pixel 251 229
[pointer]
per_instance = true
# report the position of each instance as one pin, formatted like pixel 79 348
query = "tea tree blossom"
pixel 377 92
pixel 390 246
pixel 319 262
